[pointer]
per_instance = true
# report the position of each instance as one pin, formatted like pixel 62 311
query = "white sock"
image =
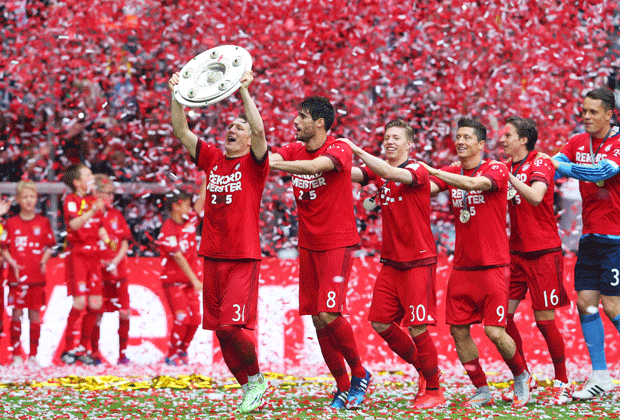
pixel 244 388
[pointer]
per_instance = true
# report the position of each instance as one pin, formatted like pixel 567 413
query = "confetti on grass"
pixel 195 396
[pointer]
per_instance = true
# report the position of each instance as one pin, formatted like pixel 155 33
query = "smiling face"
pixel 238 138
pixel 467 145
pixel 596 119
pixel 396 145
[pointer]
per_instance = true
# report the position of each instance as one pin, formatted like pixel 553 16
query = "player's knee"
pixel 379 327
pixel 328 317
pixel 494 334
pixel 34 317
pixel 225 332
pixel 611 306
pixel 79 302
pixel 17 314
pixel 415 330
pixel 459 333
pixel 124 314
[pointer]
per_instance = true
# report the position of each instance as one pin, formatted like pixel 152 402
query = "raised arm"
pixel 258 140
pixel 179 120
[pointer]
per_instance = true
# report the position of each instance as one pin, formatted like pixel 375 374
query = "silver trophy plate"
pixel 212 75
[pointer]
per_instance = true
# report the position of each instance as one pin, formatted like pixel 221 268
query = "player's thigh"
pixel 76 274
pixel 518 278
pixel 230 295
pixel 35 297
pixel 598 265
pixel 495 283
pixel 546 282
pixel 333 268
pixel 463 298
pixel 386 306
pixel 418 296
pixel 176 298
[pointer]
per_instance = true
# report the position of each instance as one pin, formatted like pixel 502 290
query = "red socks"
pixel 475 373
pixel 72 328
pixel 555 343
pixel 400 343
pixel 513 332
pixel 427 357
pixel 16 332
pixel 35 334
pixel 123 335
pixel 333 359
pixel 239 342
pixel 343 339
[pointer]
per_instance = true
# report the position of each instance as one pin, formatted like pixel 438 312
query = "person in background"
pixel 113 255
pixel 177 240
pixel 27 244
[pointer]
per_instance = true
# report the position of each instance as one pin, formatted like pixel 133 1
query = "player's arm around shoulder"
pixel 378 166
pixel 179 120
pixel 302 167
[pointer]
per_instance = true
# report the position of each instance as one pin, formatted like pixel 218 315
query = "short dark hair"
pixel 525 128
pixel 175 196
pixel 479 130
pixel 71 174
pixel 604 95
pixel 319 107
pixel 400 123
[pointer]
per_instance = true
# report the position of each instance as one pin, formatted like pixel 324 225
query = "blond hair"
pixel 102 181
pixel 25 184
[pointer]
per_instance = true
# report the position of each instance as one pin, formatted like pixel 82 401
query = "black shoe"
pixel 87 359
pixel 68 358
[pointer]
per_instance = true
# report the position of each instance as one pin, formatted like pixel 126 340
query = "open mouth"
pixel 230 139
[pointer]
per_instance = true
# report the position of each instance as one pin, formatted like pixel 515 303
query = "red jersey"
pixel 482 240
pixel 406 211
pixel 84 240
pixel 533 228
pixel 601 205
pixel 324 200
pixel 26 241
pixel 115 225
pixel 173 238
pixel 234 191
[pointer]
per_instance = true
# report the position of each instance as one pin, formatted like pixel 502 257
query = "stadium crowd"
pixel 88 82
pixel 85 88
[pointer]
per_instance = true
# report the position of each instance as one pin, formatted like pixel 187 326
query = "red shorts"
pixel 543 276
pixel 230 293
pixel 115 295
pixel 476 296
pixel 405 295
pixel 26 296
pixel 323 280
pixel 83 275
pixel 184 302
